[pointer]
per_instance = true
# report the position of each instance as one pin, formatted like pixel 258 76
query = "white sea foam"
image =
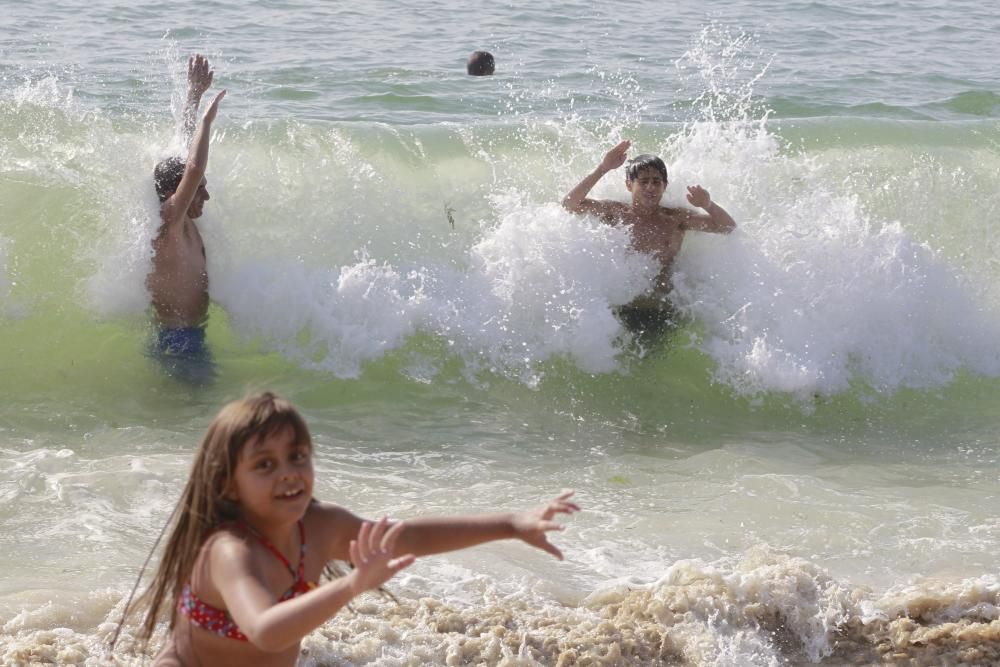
pixel 762 609
pixel 540 284
pixel 329 319
pixel 85 157
pixel 815 293
pixel 331 244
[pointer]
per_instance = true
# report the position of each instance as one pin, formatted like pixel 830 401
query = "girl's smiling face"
pixel 273 479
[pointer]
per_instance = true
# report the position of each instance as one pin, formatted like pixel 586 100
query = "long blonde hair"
pixel 203 505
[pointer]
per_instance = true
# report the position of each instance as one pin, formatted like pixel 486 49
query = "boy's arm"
pixel 576 201
pixel 194 170
pixel 199 80
pixel 718 219
pixel 434 535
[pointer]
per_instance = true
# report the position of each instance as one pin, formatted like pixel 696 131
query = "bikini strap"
pixel 266 543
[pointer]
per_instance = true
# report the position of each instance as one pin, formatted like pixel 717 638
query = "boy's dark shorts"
pixel 648 320
pixel 183 354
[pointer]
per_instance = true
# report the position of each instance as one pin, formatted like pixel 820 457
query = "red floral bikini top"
pixel 219 621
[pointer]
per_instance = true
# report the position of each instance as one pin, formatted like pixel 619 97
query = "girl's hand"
pixel 698 196
pixel 371 555
pixel 532 525
pixel 615 157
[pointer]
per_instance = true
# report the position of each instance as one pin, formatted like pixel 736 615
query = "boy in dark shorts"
pixel 656 230
pixel 178 281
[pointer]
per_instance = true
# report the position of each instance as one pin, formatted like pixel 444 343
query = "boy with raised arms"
pixel 655 229
pixel 178 281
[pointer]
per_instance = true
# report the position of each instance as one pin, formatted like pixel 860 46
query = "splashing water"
pixel 337 244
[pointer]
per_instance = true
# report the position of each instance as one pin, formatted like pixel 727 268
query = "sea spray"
pixel 530 292
pixel 815 294
pixel 327 319
pixel 84 182
pixel 823 289
pixel 398 195
pixel 760 609
pixel 547 283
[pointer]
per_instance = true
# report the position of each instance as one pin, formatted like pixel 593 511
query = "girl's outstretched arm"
pixel 433 535
pixel 274 627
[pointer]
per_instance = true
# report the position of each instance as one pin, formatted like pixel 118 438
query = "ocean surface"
pixel 805 473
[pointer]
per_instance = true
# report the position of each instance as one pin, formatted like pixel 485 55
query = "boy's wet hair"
pixel 167 176
pixel 480 63
pixel 642 162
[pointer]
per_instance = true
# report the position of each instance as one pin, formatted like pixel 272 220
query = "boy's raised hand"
pixel 199 76
pixel 698 196
pixel 532 525
pixel 371 555
pixel 213 108
pixel 616 156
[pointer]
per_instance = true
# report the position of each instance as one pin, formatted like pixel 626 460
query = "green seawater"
pixel 811 455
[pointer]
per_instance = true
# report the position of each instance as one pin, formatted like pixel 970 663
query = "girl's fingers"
pixel 564 497
pixel 389 540
pixel 565 508
pixel 375 538
pixel 397 564
pixel 369 538
pixel 353 551
pixel 560 506
pixel 548 547
pixel 363 539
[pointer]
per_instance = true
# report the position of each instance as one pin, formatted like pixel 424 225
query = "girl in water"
pixel 248 542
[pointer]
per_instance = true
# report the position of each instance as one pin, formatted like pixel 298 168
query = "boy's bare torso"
pixel 655 230
pixel 658 233
pixel 178 282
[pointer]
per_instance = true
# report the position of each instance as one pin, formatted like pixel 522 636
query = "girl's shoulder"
pixel 230 530
pixel 225 549
pixel 331 527
pixel 230 538
pixel 330 516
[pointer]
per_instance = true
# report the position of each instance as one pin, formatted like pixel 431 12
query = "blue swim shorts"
pixel 183 354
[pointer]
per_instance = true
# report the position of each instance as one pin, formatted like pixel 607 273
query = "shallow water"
pixel 805 473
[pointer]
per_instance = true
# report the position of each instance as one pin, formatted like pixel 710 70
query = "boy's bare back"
pixel 178 283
